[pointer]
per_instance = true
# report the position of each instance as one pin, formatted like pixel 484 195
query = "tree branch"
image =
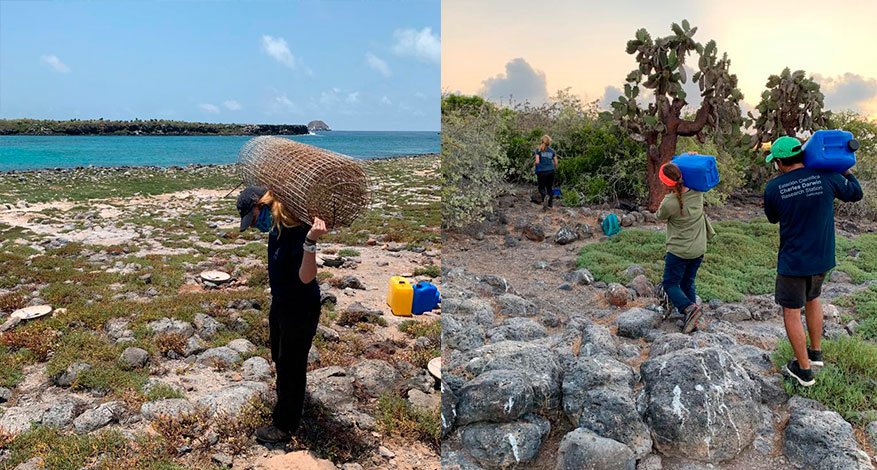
pixel 692 128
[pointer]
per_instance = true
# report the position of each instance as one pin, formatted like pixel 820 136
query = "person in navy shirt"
pixel 544 164
pixel 801 200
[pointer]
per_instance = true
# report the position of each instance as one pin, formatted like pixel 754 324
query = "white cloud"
pixel 520 83
pixel 277 48
pixel 232 105
pixel 849 91
pixel 353 97
pixel 210 108
pixel 386 101
pixel 378 64
pixel 422 44
pixel 53 61
pixel 285 102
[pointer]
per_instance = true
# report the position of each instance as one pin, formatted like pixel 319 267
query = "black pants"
pixel 545 180
pixel 291 327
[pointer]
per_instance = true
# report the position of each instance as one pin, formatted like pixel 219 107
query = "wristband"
pixel 308 241
pixel 309 248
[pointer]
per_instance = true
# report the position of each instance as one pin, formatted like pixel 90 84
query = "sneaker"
pixel 272 435
pixel 546 202
pixel 815 358
pixel 803 376
pixel 692 315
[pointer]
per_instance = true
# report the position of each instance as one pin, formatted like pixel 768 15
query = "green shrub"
pixel 398 417
pixel 848 382
pixel 473 166
pixel 431 270
pixel 348 252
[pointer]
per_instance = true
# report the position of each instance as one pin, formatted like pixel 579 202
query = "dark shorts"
pixel 795 291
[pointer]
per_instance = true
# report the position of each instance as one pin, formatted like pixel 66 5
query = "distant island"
pixel 315 126
pixel 144 127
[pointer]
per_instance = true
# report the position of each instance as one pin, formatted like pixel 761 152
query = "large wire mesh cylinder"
pixel 309 181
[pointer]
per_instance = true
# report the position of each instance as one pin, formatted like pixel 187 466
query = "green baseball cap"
pixel 784 147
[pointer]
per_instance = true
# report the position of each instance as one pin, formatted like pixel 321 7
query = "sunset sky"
pixel 500 47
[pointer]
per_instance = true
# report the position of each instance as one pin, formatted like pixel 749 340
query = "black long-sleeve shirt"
pixel 802 201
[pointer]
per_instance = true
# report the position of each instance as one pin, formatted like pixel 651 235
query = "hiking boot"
pixel 550 201
pixel 803 376
pixel 272 435
pixel 692 315
pixel 815 358
pixel 546 202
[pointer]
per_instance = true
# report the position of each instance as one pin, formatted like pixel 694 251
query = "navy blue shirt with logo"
pixel 285 254
pixel 802 201
pixel 546 160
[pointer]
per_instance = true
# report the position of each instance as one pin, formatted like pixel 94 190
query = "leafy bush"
pixel 396 416
pixel 430 270
pixel 473 166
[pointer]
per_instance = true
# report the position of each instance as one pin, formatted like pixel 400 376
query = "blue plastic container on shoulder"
pixel 699 172
pixel 426 297
pixel 832 150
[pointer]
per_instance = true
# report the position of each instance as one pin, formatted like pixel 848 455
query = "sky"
pixel 355 65
pixel 530 52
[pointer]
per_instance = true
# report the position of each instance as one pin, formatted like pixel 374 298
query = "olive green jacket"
pixel 688 230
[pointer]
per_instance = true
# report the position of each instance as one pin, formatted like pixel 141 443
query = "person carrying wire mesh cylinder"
pixel 295 302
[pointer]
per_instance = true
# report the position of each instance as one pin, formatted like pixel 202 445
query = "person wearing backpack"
pixel 801 200
pixel 687 232
pixel 544 164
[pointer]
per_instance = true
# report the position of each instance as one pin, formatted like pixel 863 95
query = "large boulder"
pixel 62 413
pixel 206 325
pixel 134 358
pixel 676 341
pixel 477 310
pixel 538 364
pixel 617 295
pixel 581 449
pixel 230 400
pixel 517 329
pixel 502 445
pixel 700 404
pixel 636 322
pixel 166 325
pixel 598 396
pixel 171 407
pixel 516 306
pixel 496 395
pixel 222 356
pixel 461 334
pixel 256 369
pixel 449 409
pixel 99 417
pixel 820 439
pixel 565 236
pixel 375 376
pixel 331 387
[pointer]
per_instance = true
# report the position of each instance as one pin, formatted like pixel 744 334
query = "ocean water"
pixel 21 152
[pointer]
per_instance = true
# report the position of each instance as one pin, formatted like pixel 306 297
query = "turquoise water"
pixel 22 152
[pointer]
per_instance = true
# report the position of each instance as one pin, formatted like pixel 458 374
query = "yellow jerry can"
pixel 400 296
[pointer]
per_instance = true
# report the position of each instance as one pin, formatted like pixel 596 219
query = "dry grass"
pixel 39 340
pixel 168 342
pixel 184 430
pixel 11 302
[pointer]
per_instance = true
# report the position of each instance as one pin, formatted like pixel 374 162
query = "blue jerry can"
pixel 699 172
pixel 426 297
pixel 832 150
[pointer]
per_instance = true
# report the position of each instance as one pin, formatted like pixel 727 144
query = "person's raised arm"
pixel 847 187
pixel 308 270
pixel 667 208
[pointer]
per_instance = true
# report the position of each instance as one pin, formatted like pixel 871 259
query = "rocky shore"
pixel 143 363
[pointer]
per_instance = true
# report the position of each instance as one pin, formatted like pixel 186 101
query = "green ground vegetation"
pixel 863 308
pixel 740 259
pixel 847 383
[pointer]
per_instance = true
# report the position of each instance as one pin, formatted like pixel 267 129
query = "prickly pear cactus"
pixel 662 68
